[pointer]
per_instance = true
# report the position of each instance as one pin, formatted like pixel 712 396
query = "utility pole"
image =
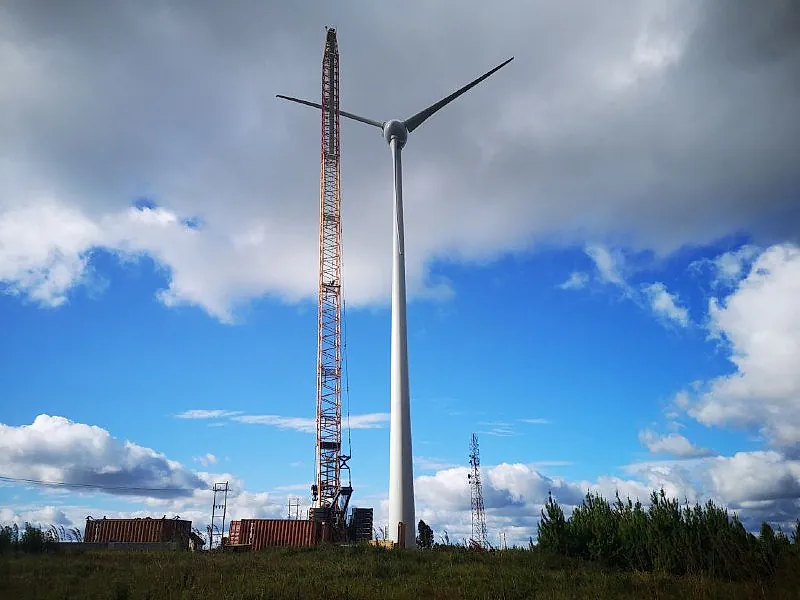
pixel 219 508
pixel 294 503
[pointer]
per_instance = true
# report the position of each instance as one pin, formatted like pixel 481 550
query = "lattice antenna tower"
pixel 328 493
pixel 479 537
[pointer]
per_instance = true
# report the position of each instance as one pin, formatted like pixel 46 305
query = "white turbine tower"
pixel 401 474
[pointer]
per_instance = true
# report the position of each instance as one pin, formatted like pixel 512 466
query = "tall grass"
pixel 666 537
pixel 35 540
pixel 353 573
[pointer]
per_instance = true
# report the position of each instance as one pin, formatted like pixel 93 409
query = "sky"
pixel 602 249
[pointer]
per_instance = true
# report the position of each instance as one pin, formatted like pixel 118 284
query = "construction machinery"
pixel 332 489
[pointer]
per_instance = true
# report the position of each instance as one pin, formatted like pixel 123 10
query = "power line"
pixel 96 486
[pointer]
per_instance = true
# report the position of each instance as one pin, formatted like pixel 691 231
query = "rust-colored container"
pixel 265 533
pixel 145 530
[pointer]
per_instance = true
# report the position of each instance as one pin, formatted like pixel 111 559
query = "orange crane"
pixel 330 497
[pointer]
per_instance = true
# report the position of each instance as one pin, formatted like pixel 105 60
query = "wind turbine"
pixel 401 475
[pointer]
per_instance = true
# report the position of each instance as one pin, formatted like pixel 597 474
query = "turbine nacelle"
pixel 395 130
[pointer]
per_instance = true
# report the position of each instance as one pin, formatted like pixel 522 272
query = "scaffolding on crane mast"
pixel 329 496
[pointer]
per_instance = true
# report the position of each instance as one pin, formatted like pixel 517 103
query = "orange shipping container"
pixel 265 533
pixel 137 531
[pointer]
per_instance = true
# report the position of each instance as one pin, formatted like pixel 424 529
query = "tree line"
pixel 666 537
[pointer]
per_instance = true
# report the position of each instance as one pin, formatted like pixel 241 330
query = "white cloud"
pixel 536 421
pixel 756 476
pixel 759 322
pixel 47 245
pixel 499 432
pixel 576 281
pixel 292 487
pixel 728 268
pixel 665 304
pixel 207 414
pixel 497 428
pixel 613 268
pixel 303 424
pixel 610 264
pixel 206 460
pixel 98 465
pixel 45 250
pixel 44 516
pixel 55 449
pixel 309 425
pixel 731 266
pixel 367 421
pixel 672 443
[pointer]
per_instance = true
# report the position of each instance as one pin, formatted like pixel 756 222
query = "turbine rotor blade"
pixel 372 122
pixel 418 119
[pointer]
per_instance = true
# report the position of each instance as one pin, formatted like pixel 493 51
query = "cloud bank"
pixel 643 124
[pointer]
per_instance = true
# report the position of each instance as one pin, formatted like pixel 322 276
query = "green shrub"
pixel 666 538
pixel 9 538
pixel 32 540
pixel 424 535
pixel 552 534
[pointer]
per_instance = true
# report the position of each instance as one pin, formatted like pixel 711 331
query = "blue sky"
pixel 564 379
pixel 602 256
pixel 513 341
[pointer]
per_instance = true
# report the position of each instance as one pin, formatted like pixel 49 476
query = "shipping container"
pixel 265 533
pixel 140 531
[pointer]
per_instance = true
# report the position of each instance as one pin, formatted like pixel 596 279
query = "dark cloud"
pixel 651 123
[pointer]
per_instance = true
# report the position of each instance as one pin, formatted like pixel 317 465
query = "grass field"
pixel 356 572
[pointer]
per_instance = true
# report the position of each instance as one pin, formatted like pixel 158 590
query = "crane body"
pixel 329 495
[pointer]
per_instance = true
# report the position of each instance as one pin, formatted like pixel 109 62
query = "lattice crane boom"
pixel 331 464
